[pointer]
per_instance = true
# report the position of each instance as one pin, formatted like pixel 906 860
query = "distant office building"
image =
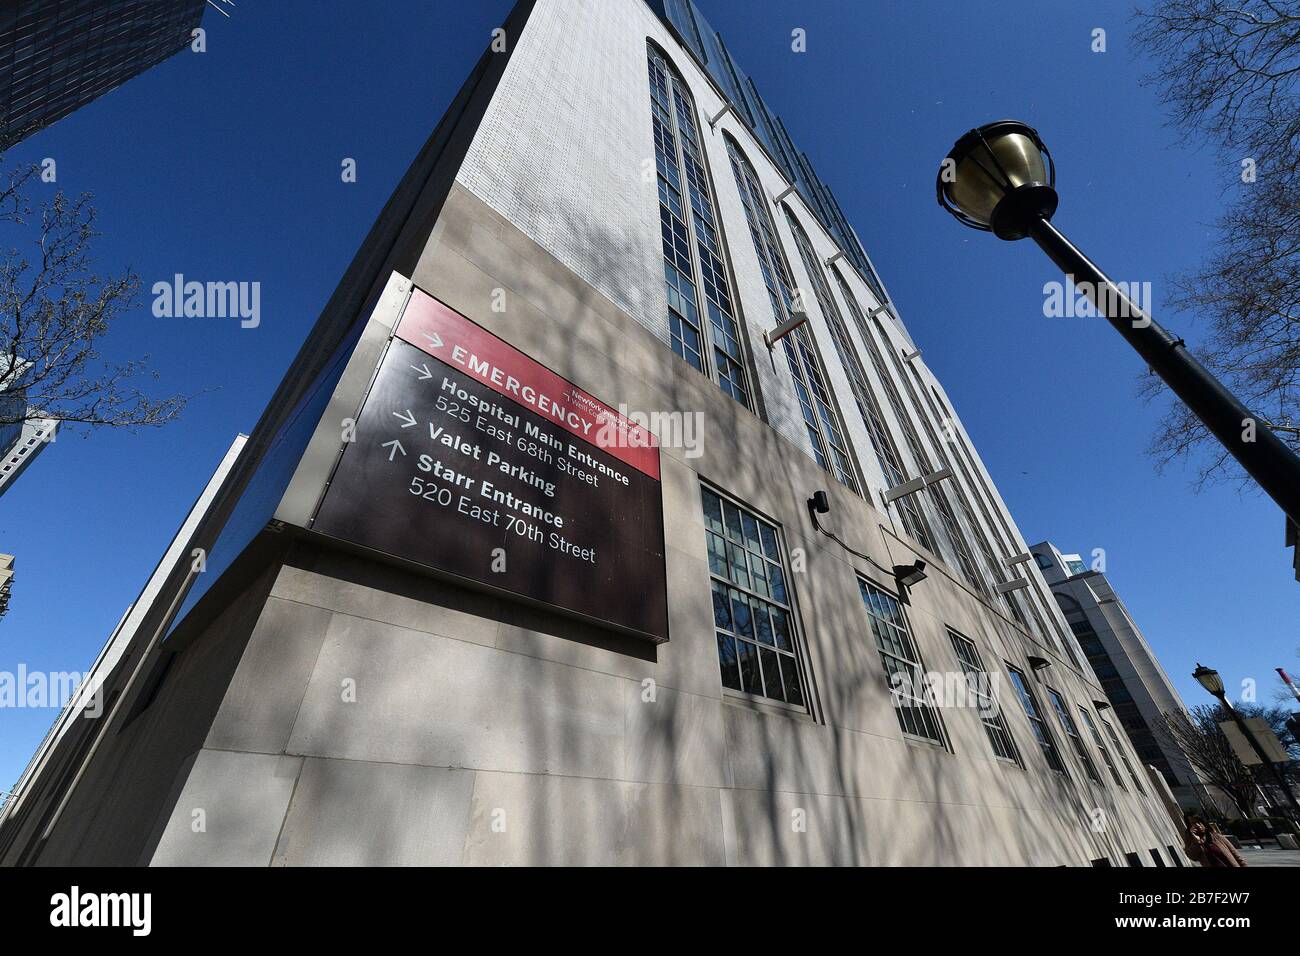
pixel 6 581
pixel 33 437
pixel 1135 683
pixel 23 432
pixel 519 567
pixel 58 55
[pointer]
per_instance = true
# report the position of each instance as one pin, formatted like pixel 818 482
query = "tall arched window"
pixel 825 434
pixel 947 492
pixel 1046 624
pixel 886 451
pixel 938 493
pixel 691 242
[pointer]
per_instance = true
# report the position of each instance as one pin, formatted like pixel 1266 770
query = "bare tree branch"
pixel 1230 69
pixel 1197 735
pixel 54 311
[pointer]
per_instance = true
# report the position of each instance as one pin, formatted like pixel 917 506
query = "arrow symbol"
pixel 396 447
pixel 407 420
pixel 435 340
pixel 424 372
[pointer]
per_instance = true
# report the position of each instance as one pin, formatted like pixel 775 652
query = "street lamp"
pixel 1000 178
pixel 1005 160
pixel 1209 678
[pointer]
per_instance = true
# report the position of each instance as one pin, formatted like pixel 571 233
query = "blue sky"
pixel 225 166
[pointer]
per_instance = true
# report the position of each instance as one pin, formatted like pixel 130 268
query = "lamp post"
pixel 1001 179
pixel 1209 679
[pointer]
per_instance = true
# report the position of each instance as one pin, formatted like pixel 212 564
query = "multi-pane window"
pixel 939 493
pixel 1101 747
pixel 994 520
pixel 751 606
pixel 944 493
pixel 891 462
pixel 1119 748
pixel 1036 722
pixel 1072 732
pixel 982 692
pixel 839 335
pixel 903 670
pixel 1011 599
pixel 886 452
pixel 686 210
pixel 825 434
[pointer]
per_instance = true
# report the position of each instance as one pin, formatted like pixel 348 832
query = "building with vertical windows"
pixel 29 440
pixel 1136 685
pixel 24 430
pixel 6 582
pixel 58 55
pixel 549 550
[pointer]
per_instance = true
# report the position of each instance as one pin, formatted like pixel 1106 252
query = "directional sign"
pixel 472 459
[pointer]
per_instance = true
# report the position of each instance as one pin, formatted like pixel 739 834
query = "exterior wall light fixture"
pixel 909 574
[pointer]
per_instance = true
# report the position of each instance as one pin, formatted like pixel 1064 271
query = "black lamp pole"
pixel 1266 458
pixel 1000 178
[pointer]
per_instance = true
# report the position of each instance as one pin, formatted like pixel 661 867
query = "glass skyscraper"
pixel 58 55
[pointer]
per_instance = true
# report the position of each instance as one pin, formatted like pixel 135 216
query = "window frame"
pixel 1072 734
pixel 1101 747
pixel 999 723
pixel 799 652
pixel 1046 743
pixel 823 420
pixel 1114 738
pixel 682 105
pixel 851 362
pixel 926 706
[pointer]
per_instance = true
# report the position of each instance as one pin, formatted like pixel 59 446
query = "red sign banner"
pixel 448 336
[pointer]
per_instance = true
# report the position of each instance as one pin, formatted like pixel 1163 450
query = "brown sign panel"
pixel 472 459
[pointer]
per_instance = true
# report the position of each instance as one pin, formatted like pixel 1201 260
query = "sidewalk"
pixel 1270 856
